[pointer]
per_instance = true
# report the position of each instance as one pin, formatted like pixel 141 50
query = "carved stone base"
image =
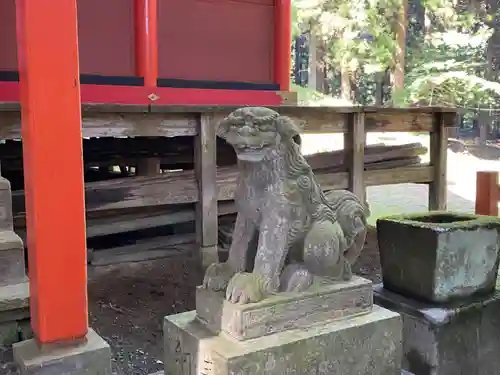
pixel 364 344
pixel 320 304
pixel 88 356
pixel 450 339
pixel 12 265
pixel 14 314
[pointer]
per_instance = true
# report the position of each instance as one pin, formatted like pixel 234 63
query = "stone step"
pixel 12 261
pixel 14 314
pixel 9 240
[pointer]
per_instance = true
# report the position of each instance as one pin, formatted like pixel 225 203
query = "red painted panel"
pixel 106 37
pixel 8 48
pixel 200 97
pixel 220 40
pixel 9 92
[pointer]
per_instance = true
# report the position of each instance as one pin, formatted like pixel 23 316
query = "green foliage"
pixel 308 97
pixel 445 63
pixel 449 71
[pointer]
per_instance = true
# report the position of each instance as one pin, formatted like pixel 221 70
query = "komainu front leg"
pixel 271 254
pixel 218 275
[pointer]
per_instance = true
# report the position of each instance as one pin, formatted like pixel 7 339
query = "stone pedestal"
pixel 89 356
pixel 448 339
pixel 330 329
pixel 439 271
pixel 14 289
pixel 12 265
pixel 439 256
pixel 14 314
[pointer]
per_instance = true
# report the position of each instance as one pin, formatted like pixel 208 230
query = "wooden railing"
pixel 487 193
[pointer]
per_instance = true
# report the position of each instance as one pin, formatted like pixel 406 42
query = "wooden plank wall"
pixel 207 185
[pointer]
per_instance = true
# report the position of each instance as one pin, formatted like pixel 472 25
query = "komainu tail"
pixel 351 214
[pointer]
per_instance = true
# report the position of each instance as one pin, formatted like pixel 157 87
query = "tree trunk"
pixel 492 64
pixel 324 77
pixel 379 88
pixel 345 84
pixel 399 58
pixel 312 81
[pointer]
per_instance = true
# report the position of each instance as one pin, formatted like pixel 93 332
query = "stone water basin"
pixel 439 256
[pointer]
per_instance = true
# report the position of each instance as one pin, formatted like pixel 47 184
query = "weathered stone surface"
pixel 456 338
pixel 25 330
pixel 9 333
pixel 287 230
pixel 439 256
pixel 14 308
pixel 368 344
pixel 321 303
pixel 14 315
pixel 6 222
pixel 12 265
pixel 14 297
pixel 90 357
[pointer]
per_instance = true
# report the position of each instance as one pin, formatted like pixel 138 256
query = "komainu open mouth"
pixel 250 152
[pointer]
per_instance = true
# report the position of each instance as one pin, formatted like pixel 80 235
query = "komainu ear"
pixel 223 127
pixel 288 129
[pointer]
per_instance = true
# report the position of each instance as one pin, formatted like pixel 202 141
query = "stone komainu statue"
pixel 287 229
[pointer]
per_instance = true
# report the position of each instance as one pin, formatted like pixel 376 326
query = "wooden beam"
pixel 354 146
pixel 51 124
pixel 438 188
pixel 206 177
pixel 175 121
pixel 181 187
pixel 487 193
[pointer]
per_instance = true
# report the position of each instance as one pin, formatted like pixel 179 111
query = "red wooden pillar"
pixel 146 40
pixel 487 193
pixel 53 171
pixel 282 43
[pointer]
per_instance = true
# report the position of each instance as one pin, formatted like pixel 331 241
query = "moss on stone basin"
pixel 439 256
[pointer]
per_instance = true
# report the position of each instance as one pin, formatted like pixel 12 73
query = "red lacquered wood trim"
pixel 282 42
pixel 487 193
pixel 113 94
pixel 146 40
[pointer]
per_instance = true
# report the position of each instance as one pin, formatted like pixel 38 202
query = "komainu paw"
pixel 246 288
pixel 217 276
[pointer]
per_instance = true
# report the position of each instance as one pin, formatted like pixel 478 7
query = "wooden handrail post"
pixel 487 193
pixel 354 146
pixel 205 163
pixel 438 188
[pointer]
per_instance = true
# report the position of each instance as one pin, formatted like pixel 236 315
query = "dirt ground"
pixel 127 304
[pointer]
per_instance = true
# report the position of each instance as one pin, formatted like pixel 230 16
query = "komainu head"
pixel 255 132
